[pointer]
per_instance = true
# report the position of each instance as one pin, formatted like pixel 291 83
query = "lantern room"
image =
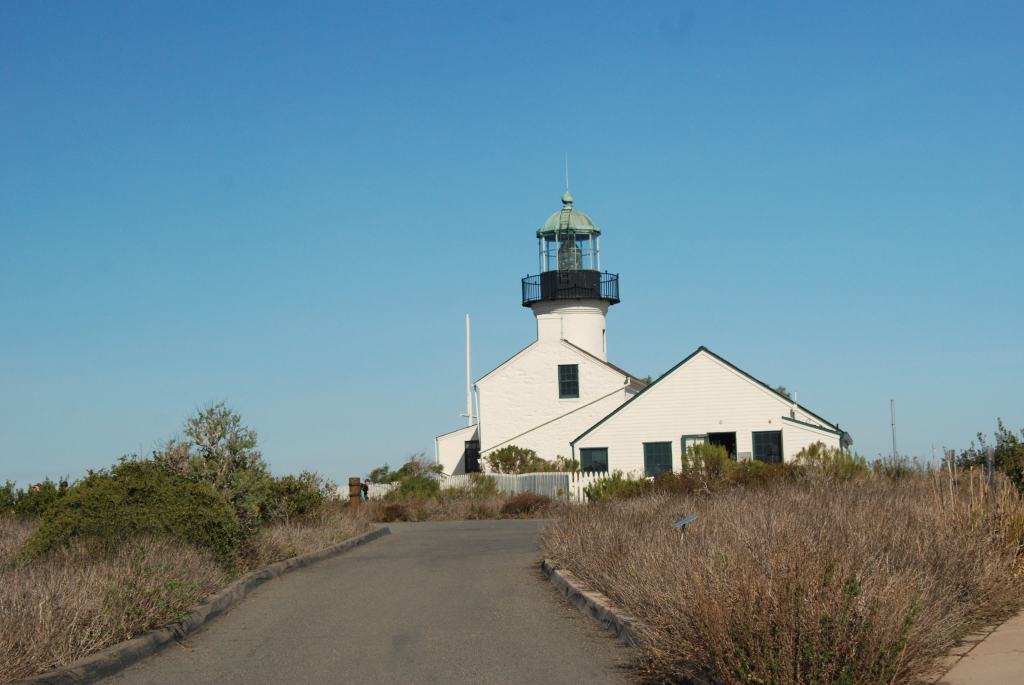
pixel 570 260
pixel 569 240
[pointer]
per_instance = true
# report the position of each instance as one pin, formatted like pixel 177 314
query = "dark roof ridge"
pixel 688 357
pixel 602 361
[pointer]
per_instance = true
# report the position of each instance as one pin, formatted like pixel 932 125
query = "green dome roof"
pixel 568 218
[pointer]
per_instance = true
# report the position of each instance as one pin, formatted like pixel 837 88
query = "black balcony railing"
pixel 571 285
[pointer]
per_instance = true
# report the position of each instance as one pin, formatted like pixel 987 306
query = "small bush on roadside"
pixel 139 497
pixel 293 496
pixel 525 504
pixel 616 486
pixel 831 462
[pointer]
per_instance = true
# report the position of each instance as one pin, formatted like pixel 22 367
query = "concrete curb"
pixel 594 604
pixel 118 657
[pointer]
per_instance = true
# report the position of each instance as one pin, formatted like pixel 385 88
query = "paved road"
pixel 459 602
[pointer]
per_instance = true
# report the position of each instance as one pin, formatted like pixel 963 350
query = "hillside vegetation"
pixel 85 565
pixel 826 571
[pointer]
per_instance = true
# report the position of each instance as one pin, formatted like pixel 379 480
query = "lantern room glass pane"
pixel 573 253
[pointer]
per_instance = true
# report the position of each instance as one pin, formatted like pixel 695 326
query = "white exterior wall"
pixel 702 396
pixel 796 437
pixel 450 447
pixel 519 401
pixel 581 322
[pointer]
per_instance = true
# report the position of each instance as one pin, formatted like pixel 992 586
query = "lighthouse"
pixel 571 295
pixel 560 396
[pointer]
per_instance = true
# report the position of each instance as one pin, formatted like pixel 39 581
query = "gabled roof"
pixel 611 366
pixel 505 362
pixel 457 430
pixel 575 348
pixel 732 366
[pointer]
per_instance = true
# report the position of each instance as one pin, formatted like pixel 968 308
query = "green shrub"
pixel 525 504
pixel 831 462
pixel 416 486
pixel 616 486
pixel 706 461
pixel 139 497
pixel 295 496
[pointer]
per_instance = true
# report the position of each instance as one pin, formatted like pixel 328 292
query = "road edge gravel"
pixel 118 657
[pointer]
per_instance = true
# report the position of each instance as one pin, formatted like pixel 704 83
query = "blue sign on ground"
pixel 683 521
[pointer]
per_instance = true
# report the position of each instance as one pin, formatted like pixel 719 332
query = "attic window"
pixel 568 381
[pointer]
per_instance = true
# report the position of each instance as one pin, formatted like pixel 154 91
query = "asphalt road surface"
pixel 460 602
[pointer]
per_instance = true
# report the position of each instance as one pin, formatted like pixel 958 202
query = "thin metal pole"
pixel 892 414
pixel 469 393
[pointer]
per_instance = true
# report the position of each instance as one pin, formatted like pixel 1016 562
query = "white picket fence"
pixel 568 486
pixel 375 490
pixel 556 485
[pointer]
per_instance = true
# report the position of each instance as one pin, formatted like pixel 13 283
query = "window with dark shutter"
pixel 657 458
pixel 768 446
pixel 568 381
pixel 594 459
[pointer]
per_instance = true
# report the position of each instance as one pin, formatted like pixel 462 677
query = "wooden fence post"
pixel 355 488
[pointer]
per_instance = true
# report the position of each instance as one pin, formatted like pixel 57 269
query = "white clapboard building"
pixel 561 397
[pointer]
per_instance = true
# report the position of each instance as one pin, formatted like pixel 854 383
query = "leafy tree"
pixel 217 448
pixel 782 391
pixel 416 465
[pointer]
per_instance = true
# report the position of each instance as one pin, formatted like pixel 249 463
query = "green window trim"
pixel 568 381
pixel 594 459
pixel 657 458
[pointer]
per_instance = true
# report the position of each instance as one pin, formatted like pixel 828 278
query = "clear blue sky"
pixel 290 207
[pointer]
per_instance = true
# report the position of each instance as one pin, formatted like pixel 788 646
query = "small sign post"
pixel 682 523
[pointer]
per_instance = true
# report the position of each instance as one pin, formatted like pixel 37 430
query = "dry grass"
pixel 334 523
pixel 867 581
pixel 81 598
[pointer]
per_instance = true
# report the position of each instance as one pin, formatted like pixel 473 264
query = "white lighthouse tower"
pixel 571 295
